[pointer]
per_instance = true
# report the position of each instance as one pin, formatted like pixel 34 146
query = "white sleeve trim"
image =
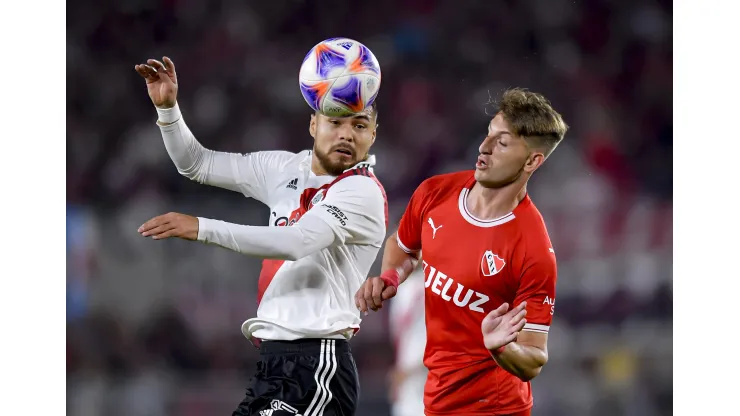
pixel 544 329
pixel 403 246
pixel 169 115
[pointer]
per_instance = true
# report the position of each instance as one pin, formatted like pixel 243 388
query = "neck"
pixel 491 203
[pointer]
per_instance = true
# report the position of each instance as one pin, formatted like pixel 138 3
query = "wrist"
pixel 391 277
pixel 168 115
pixel 499 350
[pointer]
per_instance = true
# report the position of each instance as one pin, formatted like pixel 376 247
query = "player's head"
pixel 342 142
pixel 523 133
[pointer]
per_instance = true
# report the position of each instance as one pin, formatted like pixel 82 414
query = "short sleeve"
pixel 409 229
pixel 354 208
pixel 537 288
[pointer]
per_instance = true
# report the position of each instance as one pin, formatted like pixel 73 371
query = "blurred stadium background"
pixel 153 327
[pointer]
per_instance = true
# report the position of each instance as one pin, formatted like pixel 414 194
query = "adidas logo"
pixel 293 184
pixel 279 405
pixel 346 45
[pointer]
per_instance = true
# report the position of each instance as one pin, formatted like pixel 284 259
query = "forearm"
pixel 524 361
pixel 191 158
pixel 188 155
pixel 395 258
pixel 282 243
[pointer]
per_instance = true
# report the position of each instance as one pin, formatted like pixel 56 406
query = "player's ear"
pixel 534 161
pixel 375 133
pixel 312 126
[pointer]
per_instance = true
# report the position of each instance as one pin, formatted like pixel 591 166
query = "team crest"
pixel 491 263
pixel 317 198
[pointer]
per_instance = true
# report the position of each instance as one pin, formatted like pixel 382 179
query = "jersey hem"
pixel 504 411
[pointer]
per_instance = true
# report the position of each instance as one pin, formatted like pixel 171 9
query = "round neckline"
pixel 473 220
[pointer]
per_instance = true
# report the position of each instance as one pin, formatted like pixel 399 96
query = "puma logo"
pixel 434 229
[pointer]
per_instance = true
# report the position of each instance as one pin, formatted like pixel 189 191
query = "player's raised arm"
pixel 528 323
pixel 247 174
pixel 400 256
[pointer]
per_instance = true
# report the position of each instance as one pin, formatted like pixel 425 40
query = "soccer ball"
pixel 339 77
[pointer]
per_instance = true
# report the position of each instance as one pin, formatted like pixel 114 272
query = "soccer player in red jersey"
pixel 489 267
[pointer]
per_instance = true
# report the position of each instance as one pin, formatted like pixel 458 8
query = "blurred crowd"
pixel 153 327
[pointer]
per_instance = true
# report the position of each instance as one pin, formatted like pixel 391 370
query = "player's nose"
pixel 486 146
pixel 346 133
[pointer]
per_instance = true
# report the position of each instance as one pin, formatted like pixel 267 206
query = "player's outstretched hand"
pixel 372 293
pixel 161 81
pixel 169 225
pixel 500 327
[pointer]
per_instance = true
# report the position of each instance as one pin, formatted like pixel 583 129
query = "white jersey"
pixel 408 332
pixel 324 232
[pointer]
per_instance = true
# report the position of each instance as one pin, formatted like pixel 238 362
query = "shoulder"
pixel 358 183
pixel 442 187
pixel 277 159
pixel 532 224
pixel 447 180
pixel 537 246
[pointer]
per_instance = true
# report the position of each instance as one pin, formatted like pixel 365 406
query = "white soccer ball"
pixel 339 77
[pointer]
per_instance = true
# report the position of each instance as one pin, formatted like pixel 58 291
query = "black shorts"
pixel 309 377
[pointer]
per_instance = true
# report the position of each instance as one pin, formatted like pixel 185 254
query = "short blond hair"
pixel 532 117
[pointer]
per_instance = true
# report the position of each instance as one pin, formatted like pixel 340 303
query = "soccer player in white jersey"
pixel 408 332
pixel 328 221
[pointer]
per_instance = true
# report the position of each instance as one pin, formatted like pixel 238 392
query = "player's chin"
pixel 337 165
pixel 488 180
pixel 482 175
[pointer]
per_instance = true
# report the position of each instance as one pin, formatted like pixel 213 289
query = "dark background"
pixel 153 327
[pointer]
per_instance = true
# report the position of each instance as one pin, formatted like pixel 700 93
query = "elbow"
pixel 299 251
pixel 192 174
pixel 294 255
pixel 529 374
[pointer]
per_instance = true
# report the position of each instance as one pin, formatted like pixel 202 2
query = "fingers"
pixel 153 223
pixel 388 292
pixel 510 338
pixel 169 65
pixel 154 70
pixel 378 287
pixel 500 311
pixel 156 64
pixel 372 294
pixel 519 316
pixel 159 68
pixel 147 72
pixel 159 227
pixel 158 232
pixel 493 319
pixel 514 311
pixel 518 327
pixel 360 299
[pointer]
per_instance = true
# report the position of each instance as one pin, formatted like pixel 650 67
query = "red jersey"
pixel 471 267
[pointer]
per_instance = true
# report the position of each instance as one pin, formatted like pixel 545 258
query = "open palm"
pixel 500 327
pixel 161 81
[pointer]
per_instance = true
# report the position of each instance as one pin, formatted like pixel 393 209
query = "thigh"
pixel 344 388
pixel 281 385
pixel 324 384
